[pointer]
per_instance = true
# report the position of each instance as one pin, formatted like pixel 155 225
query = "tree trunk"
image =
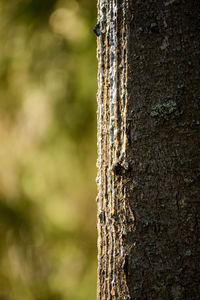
pixel 148 149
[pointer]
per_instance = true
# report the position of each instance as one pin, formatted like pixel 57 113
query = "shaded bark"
pixel 148 149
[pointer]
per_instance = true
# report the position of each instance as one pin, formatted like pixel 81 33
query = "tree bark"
pixel 148 149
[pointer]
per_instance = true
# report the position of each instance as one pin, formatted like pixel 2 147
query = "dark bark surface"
pixel 148 150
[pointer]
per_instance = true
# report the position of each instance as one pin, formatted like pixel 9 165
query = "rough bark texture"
pixel 148 149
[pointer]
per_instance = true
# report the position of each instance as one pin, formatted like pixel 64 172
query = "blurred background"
pixel 48 89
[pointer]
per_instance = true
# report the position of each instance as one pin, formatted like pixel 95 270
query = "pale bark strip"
pixel 112 142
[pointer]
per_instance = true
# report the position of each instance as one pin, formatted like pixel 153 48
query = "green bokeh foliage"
pixel 48 150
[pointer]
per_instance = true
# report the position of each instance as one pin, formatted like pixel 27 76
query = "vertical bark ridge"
pixel 101 138
pixel 112 142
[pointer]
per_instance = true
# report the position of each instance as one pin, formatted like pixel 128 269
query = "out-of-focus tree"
pixel 47 133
